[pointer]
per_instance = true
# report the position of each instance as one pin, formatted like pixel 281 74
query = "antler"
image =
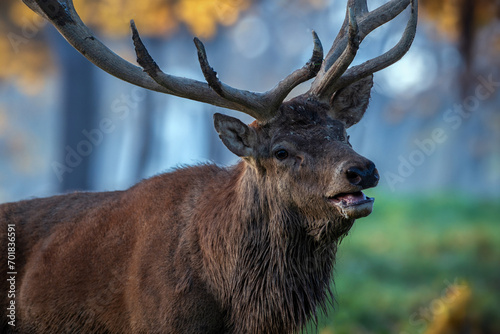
pixel 331 74
pixel 262 106
pixel 359 22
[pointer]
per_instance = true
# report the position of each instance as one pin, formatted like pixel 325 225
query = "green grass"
pixel 394 268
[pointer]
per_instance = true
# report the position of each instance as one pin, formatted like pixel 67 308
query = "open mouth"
pixel 352 205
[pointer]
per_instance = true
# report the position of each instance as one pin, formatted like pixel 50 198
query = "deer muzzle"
pixel 353 205
pixel 359 174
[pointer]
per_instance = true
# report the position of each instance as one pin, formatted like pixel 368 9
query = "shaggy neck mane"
pixel 280 272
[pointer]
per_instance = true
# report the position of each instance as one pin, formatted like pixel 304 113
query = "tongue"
pixel 351 199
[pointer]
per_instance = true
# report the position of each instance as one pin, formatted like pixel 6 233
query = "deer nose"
pixel 365 177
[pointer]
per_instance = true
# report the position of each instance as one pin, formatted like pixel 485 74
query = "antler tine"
pixel 343 61
pixel 358 9
pixel 254 102
pixel 277 94
pixel 388 58
pixel 381 15
pixel 325 84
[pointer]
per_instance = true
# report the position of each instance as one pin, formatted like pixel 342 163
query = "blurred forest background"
pixel 426 261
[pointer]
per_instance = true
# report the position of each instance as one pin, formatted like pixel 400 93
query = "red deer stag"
pixel 205 249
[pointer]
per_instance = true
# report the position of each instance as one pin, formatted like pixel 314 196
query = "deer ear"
pixel 238 137
pixel 349 104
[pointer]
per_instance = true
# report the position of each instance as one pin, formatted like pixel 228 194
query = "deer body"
pixel 169 267
pixel 247 249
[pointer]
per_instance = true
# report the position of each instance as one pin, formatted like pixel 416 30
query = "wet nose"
pixel 365 177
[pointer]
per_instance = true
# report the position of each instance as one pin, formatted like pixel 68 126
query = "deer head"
pixel 299 149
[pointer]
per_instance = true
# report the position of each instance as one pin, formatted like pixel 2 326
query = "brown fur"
pixel 204 249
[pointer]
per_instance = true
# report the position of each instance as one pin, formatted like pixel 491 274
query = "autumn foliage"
pixel 448 15
pixel 23 48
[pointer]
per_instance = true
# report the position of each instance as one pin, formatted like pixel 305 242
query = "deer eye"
pixel 281 154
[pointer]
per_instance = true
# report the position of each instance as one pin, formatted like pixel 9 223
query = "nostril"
pixel 354 176
pixel 365 177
